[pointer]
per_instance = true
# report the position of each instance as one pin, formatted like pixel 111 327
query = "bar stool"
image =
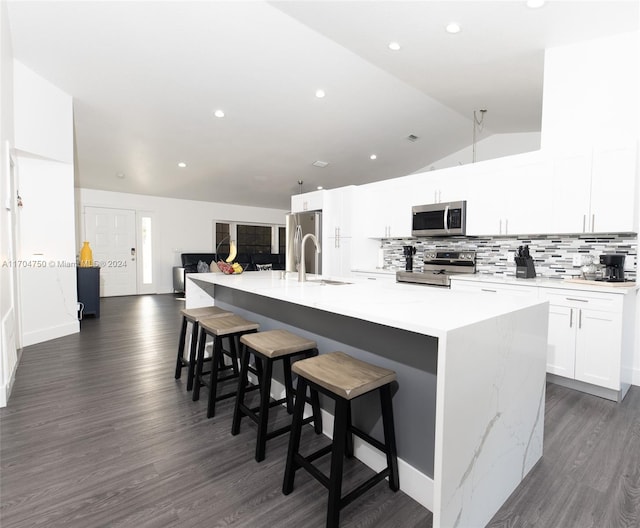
pixel 193 316
pixel 230 327
pixel 267 348
pixel 342 378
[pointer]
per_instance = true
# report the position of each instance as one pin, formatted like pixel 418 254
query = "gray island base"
pixel 469 403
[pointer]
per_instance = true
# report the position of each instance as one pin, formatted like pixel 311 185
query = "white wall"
pixel 46 221
pixel 8 319
pixel 181 226
pixel 590 97
pixel 491 147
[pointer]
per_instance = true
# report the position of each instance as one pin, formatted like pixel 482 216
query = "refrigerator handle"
pixel 297 242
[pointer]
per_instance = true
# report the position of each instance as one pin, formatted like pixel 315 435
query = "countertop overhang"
pixel 416 308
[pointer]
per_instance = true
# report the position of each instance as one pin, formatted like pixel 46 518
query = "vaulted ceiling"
pixel 146 78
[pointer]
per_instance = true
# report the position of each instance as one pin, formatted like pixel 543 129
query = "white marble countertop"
pixel 547 283
pixel 416 308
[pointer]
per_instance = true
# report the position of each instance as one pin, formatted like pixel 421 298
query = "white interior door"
pixel 111 233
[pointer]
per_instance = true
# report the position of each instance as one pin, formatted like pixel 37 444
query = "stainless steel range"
pixel 439 266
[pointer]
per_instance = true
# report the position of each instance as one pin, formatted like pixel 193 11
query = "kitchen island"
pixel 469 403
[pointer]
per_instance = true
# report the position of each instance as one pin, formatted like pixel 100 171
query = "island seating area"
pixel 471 376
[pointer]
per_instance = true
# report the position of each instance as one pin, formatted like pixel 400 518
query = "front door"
pixel 111 233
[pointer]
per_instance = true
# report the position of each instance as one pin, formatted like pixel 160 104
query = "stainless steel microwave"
pixel 441 219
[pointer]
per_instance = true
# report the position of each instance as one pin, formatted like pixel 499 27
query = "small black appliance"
pixel 613 267
pixel 409 252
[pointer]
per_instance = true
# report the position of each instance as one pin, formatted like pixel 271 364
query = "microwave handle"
pixel 446 218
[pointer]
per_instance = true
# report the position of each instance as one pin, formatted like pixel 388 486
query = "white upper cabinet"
pixel 386 208
pixel 613 190
pixel 337 212
pixel 509 196
pixel 311 201
pixel 570 192
pixel 594 190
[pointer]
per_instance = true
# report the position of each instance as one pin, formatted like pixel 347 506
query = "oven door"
pixel 443 219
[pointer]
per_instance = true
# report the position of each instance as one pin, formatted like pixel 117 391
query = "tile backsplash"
pixel 552 254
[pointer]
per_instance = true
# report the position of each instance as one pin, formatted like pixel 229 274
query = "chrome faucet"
pixel 302 272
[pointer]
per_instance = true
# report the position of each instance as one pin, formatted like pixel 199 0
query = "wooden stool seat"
pixel 231 327
pixel 276 343
pixel 342 378
pixel 223 326
pixel 344 375
pixel 193 316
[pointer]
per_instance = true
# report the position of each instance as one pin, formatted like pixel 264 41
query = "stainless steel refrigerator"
pixel 298 225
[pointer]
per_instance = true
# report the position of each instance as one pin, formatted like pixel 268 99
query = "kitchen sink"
pixel 329 281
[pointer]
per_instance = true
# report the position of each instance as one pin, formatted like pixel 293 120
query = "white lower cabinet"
pixel 590 341
pixel 585 336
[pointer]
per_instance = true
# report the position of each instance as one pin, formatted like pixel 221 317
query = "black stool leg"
pixel 192 355
pixel 263 416
pixel 242 384
pixel 199 366
pixel 349 434
pixel 183 334
pixel 288 383
pixel 389 436
pixel 294 438
pixel 213 384
pixel 337 460
pixel 234 353
pixel 315 406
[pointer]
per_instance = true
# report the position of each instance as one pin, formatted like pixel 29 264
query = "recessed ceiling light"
pixel 319 187
pixel 535 4
pixel 320 94
pixel 182 164
pixel 321 164
pixel 373 156
pixel 394 46
pixel 120 175
pixel 453 28
pixel 218 113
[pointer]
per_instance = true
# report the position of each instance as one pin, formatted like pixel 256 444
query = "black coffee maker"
pixel 613 267
pixel 409 252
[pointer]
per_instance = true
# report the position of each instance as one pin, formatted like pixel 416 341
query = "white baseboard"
pixel 7 387
pixel 53 332
pixel 412 482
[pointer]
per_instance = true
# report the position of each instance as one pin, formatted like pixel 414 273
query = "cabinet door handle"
pixel 571 318
pixel 579 318
pixel 500 230
pixel 593 222
pixel 506 226
pixel 576 299
pixel 584 223
pixel 487 290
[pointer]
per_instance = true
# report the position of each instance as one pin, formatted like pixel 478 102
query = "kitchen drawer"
pixel 608 302
pixel 494 288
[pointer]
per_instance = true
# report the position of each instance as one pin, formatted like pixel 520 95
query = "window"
pixel 250 239
pixel 222 238
pixel 253 239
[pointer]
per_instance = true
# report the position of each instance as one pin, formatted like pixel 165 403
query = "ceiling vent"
pixel 412 138
pixel 321 164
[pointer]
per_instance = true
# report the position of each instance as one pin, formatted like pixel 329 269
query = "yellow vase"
pixel 86 256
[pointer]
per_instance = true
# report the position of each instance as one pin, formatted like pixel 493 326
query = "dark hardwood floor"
pixel 98 433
